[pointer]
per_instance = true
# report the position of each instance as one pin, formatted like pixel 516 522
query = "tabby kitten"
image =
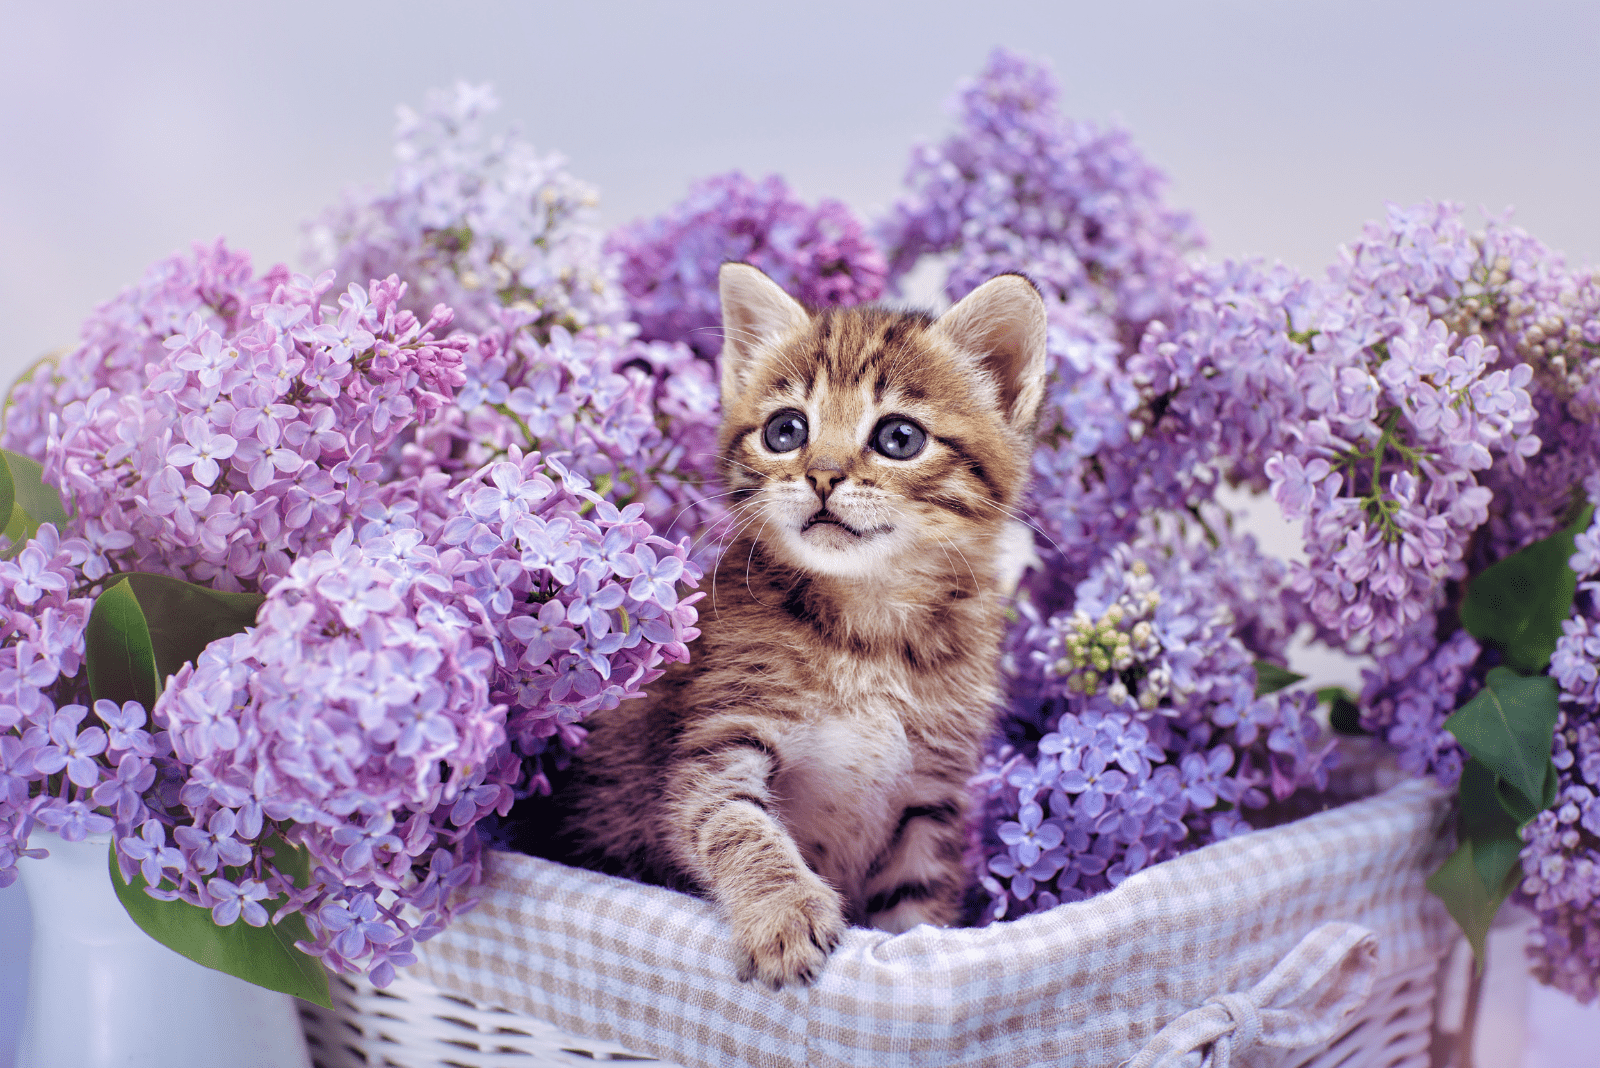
pixel 808 768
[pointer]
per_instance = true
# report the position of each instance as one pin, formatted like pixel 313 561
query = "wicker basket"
pixel 413 1024
pixel 545 944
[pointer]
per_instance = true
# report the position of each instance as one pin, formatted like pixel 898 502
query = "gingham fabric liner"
pixel 1089 983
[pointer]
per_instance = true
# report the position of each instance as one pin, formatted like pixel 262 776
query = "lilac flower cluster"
pixel 822 255
pixel 129 331
pixel 55 770
pixel 511 242
pixel 1019 186
pixel 1402 413
pixel 477 222
pixel 637 419
pixel 1136 730
pixel 1414 687
pixel 443 608
pixel 1561 851
pixel 577 599
pixel 353 722
pixel 245 450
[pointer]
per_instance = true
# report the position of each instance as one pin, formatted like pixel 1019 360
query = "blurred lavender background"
pixel 130 131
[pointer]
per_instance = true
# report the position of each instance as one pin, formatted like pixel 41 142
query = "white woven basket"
pixel 413 1024
pixel 1321 927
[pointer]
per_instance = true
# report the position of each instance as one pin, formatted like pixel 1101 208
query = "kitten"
pixel 808 768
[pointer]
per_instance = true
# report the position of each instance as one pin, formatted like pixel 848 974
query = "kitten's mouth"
pixel 825 517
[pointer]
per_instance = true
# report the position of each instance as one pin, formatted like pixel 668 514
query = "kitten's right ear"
pixel 755 312
pixel 1003 323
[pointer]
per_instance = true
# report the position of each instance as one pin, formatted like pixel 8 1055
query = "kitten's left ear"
pixel 755 312
pixel 1002 322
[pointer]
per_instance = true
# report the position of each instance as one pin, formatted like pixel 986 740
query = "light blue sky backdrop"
pixel 130 130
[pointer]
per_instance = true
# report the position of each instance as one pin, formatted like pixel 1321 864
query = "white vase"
pixel 101 992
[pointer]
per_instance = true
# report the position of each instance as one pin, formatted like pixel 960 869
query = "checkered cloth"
pixel 1269 939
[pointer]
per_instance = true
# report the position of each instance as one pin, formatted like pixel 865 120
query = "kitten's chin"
pixel 827 545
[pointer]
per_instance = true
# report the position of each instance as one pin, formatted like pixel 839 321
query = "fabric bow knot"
pixel 1303 1000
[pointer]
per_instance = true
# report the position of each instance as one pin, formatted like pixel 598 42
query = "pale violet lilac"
pixel 129 331
pixel 227 482
pixel 477 220
pixel 636 419
pixel 1561 848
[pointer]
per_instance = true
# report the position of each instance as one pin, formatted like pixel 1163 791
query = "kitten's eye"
pixel 899 438
pixel 785 432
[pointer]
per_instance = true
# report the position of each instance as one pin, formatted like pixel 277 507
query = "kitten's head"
pixel 860 439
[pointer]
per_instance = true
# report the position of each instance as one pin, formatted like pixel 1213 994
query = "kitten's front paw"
pixel 787 936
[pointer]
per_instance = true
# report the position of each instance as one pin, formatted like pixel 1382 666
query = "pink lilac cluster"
pixel 578 600
pixel 511 242
pixel 1136 731
pixel 129 331
pixel 1561 847
pixel 822 256
pixel 478 222
pixel 56 770
pixel 637 419
pixel 245 450
pixel 354 722
pixel 438 619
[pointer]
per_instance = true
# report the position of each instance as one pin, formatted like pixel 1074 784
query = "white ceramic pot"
pixel 101 992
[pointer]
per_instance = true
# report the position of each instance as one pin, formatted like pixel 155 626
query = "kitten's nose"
pixel 823 477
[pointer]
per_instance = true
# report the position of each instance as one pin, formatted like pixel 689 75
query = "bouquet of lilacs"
pixel 300 590
pixel 1428 414
pixel 306 579
pixel 1148 712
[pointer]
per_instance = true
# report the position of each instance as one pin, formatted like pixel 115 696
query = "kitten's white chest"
pixel 841 789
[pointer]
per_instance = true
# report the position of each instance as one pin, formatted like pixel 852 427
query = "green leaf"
pixel 1509 725
pixel 143 628
pixel 1487 823
pixel 8 490
pixel 118 651
pixel 1270 677
pixel 25 501
pixel 264 956
pixel 1519 603
pixel 1459 884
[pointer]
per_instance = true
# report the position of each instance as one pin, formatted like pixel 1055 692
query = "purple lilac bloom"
pixel 357 711
pixel 822 256
pixel 478 222
pixel 1561 847
pixel 1141 702
pixel 244 451
pixel 1021 187
pixel 638 420
pixel 130 331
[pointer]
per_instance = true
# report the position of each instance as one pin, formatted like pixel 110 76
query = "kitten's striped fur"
pixel 808 767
